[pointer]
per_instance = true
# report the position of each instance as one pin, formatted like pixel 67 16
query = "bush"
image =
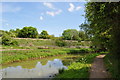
pixel 7 40
pixel 14 42
pixel 60 43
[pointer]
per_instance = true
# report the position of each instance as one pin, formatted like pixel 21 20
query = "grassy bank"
pixel 26 43
pixel 78 69
pixel 110 64
pixel 21 55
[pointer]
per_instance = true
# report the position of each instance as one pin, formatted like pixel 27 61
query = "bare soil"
pixel 98 69
pixel 13 49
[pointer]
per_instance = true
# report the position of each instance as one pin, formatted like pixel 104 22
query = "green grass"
pixel 21 55
pixel 30 42
pixel 78 69
pixel 33 44
pixel 111 66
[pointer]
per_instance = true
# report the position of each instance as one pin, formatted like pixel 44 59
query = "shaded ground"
pixel 98 69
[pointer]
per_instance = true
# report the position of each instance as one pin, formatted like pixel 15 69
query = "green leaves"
pixel 70 34
pixel 28 32
pixel 7 40
pixel 44 34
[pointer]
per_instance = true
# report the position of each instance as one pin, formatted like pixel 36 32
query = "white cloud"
pixel 71 7
pixel 49 5
pixel 78 8
pixel 41 18
pixel 10 8
pixel 53 13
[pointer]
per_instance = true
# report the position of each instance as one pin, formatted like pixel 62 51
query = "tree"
pixel 17 32
pixel 2 32
pixel 44 34
pixel 70 34
pixel 83 35
pixel 28 32
pixel 103 23
pixel 12 33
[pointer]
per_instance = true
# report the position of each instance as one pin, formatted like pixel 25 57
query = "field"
pixel 25 43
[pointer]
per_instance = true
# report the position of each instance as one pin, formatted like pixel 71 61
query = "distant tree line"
pixel 31 32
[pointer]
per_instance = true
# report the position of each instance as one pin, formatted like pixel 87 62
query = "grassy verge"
pixel 21 55
pixel 78 69
pixel 111 65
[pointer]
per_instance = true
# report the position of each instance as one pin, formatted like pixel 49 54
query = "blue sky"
pixel 55 17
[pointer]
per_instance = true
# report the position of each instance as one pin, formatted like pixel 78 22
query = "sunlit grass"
pixel 78 69
pixel 21 55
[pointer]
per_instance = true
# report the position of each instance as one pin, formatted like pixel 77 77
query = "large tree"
pixel 103 23
pixel 28 32
pixel 70 34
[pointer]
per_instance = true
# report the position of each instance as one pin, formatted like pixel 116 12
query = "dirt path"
pixel 98 69
pixel 13 49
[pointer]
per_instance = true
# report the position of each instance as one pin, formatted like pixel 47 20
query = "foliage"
pixel 44 34
pixel 61 70
pixel 70 34
pixel 2 32
pixel 103 24
pixel 60 42
pixel 28 32
pixel 14 33
pixel 20 55
pixel 110 66
pixel 78 69
pixel 7 40
pixel 83 36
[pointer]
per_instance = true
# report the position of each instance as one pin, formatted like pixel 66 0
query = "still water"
pixel 43 68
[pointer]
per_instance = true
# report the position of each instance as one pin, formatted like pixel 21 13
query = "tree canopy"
pixel 44 34
pixel 73 34
pixel 102 21
pixel 70 34
pixel 28 32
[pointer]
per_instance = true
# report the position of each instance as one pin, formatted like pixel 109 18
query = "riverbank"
pixel 78 66
pixel 78 69
pixel 22 55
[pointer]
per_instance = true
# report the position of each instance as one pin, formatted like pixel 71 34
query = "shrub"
pixel 14 42
pixel 60 42
pixel 7 40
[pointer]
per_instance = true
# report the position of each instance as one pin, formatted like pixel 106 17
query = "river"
pixel 40 68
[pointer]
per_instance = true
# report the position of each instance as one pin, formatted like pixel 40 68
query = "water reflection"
pixel 40 71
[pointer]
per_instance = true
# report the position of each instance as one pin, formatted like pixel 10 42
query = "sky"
pixel 54 17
